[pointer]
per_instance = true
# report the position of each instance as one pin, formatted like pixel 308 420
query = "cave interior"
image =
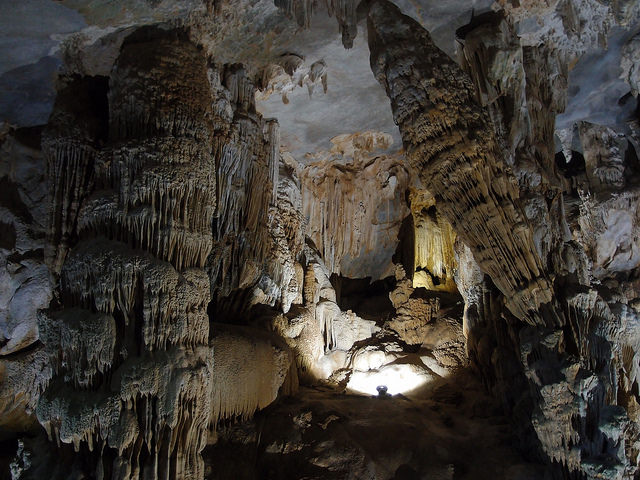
pixel 303 239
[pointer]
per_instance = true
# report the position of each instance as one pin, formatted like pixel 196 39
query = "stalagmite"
pixel 130 350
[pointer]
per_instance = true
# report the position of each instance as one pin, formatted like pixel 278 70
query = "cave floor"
pixel 450 430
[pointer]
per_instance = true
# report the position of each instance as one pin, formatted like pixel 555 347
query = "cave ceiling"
pixel 37 36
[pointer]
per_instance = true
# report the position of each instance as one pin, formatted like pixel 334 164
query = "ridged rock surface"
pixel 130 349
pixel 353 204
pixel 449 141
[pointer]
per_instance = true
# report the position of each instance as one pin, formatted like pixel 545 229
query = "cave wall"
pixel 141 237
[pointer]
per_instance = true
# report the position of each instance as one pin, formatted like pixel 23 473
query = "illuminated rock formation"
pixel 321 334
pixel 434 260
pixel 250 369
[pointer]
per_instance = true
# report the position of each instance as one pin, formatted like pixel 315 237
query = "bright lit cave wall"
pixel 319 239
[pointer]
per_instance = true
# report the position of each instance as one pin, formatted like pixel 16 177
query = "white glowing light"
pixel 401 378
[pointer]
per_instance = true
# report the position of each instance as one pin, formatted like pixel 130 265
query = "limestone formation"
pixel 25 279
pixel 290 72
pixel 353 203
pixel 246 175
pixel 130 350
pixel 295 239
pixel 450 143
pixel 573 422
pixel 321 334
pixel 250 369
pixel 433 256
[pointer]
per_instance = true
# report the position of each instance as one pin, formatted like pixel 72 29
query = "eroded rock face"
pixel 26 284
pixel 24 275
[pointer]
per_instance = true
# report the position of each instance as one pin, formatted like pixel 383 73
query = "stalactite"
pixel 107 277
pixel 247 158
pixel 286 228
pixel 71 146
pixel 301 11
pixel 86 342
pixel 451 143
pixel 353 202
pixel 345 12
pixel 434 259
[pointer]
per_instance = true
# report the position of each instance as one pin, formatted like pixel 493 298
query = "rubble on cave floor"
pixel 451 430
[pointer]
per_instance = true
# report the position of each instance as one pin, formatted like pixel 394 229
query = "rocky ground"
pixel 449 430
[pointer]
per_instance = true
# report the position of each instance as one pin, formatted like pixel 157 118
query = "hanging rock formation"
pixel 345 12
pixel 353 203
pixel 449 141
pixel 246 149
